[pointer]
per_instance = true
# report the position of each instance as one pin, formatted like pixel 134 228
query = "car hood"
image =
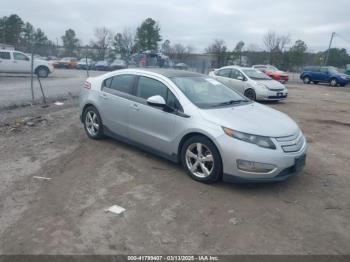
pixel 271 84
pixel 252 118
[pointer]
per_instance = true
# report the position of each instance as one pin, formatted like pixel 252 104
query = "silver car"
pixel 195 120
pixel 250 82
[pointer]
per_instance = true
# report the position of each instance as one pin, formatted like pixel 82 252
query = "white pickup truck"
pixel 12 61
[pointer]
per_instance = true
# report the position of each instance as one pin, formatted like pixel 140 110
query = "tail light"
pixel 87 85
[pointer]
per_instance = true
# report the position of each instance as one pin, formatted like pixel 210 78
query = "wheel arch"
pixel 41 66
pixel 192 134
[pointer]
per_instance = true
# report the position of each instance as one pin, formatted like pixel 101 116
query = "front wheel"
pixel 250 93
pixel 334 82
pixel 93 123
pixel 201 159
pixel 42 72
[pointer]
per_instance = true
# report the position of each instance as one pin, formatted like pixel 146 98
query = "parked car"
pixel 118 64
pixel 193 119
pixel 324 74
pixel 149 59
pixel 66 62
pixel 12 61
pixel 85 63
pixel 251 83
pixel 102 65
pixel 273 72
pixel 181 66
pixel 347 70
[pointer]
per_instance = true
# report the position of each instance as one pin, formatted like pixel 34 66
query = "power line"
pixel 341 37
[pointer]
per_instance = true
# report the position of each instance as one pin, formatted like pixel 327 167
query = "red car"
pixel 273 72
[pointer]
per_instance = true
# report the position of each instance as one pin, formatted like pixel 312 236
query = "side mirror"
pixel 156 100
pixel 241 78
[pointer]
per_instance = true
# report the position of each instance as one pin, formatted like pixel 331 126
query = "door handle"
pixel 135 107
pixel 104 95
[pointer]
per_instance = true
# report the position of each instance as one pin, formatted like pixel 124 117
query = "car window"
pixel 148 87
pixel 5 55
pixel 324 69
pixel 121 83
pixel 224 72
pixel 235 74
pixel 172 101
pixel 19 56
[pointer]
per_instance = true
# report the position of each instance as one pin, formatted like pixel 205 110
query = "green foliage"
pixel 147 36
pixel 11 29
pixel 70 42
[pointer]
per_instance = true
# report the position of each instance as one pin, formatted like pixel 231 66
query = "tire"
pixel 207 169
pixel 315 82
pixel 93 123
pixel 250 93
pixel 306 80
pixel 333 82
pixel 42 72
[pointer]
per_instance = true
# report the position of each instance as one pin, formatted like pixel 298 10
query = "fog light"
pixel 254 167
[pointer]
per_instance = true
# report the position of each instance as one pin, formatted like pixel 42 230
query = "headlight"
pixel 343 77
pixel 261 141
pixel 262 86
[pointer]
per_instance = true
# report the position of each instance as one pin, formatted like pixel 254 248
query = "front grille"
pixel 293 143
pixel 276 89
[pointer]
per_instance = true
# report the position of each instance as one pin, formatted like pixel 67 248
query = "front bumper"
pixel 271 95
pixel 287 164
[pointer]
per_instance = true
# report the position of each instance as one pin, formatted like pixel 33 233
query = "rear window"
pixel 5 55
pixel 121 83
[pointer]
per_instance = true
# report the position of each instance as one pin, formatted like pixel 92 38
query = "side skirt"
pixel 109 133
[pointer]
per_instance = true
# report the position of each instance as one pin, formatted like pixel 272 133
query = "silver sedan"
pixel 251 83
pixel 193 119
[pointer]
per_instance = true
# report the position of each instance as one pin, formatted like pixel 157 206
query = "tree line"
pixel 276 49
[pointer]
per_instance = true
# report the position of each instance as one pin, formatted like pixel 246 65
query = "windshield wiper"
pixel 231 102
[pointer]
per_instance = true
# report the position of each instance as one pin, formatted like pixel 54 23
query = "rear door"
pixel 21 63
pixel 153 126
pixel 115 100
pixel 5 62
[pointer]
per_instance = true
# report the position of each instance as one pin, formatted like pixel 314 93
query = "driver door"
pixel 21 63
pixel 149 125
pixel 238 80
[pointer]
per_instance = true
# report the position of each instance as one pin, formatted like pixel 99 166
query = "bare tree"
pixel 275 44
pixel 218 48
pixel 123 43
pixel 102 42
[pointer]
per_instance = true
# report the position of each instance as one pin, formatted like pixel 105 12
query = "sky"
pixel 194 22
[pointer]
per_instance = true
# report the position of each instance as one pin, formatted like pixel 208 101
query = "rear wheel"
pixel 201 159
pixel 93 123
pixel 250 93
pixel 306 80
pixel 333 82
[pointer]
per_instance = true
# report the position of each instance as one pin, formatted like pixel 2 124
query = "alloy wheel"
pixel 199 160
pixel 91 122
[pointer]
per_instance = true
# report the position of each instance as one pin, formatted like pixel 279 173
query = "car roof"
pixel 168 72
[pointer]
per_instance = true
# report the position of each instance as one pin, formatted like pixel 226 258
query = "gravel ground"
pixel 166 211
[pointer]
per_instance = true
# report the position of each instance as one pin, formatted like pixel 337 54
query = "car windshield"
pixel 333 70
pixel 255 74
pixel 272 68
pixel 206 92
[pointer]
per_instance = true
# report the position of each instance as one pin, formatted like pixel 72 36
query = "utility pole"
pixel 329 47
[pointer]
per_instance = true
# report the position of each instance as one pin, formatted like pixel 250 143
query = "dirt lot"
pixel 166 211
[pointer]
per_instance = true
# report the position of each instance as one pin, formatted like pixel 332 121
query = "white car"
pixel 251 83
pixel 12 61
